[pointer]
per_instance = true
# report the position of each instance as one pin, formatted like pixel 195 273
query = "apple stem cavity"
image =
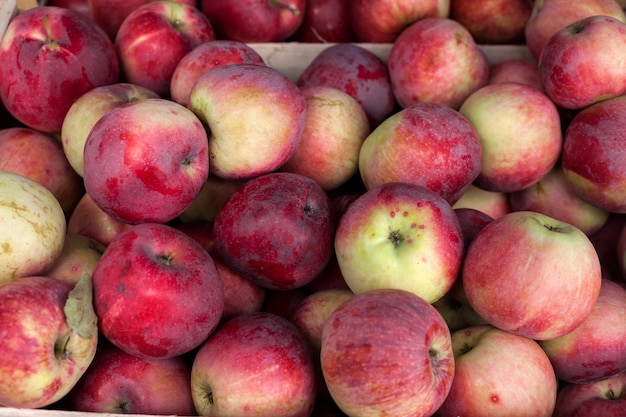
pixel 165 259
pixel 60 349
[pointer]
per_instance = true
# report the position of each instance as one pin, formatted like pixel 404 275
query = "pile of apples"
pixel 188 231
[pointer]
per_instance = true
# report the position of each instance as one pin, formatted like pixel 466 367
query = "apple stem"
pixel 611 395
pixel 294 10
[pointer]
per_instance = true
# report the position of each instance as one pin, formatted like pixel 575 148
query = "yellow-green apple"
pixel 498 373
pixel 520 132
pixel 50 56
pixel 456 311
pixel 336 126
pixel 253 21
pixel 118 382
pixel 39 156
pixel 276 230
pixel 32 226
pixel 493 21
pixel 426 144
pixel 516 70
pixel 49 339
pixel 79 256
pixel 554 197
pixel 387 352
pixel 492 203
pixel 154 37
pixel 325 21
pixel 255 116
pixel 357 71
pixel 89 220
pixel 550 16
pixel 257 363
pixel 402 236
pixel 157 292
pixel 592 154
pixel 205 56
pixel 436 60
pixel 583 63
pixel 532 275
pixel 212 196
pixel 381 21
pixel 606 398
pixel 88 109
pixel 146 161
pixel 595 349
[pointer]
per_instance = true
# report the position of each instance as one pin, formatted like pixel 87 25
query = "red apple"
pixel 606 398
pixel 78 5
pixel 146 161
pixel 253 21
pixel 258 361
pixel 157 292
pixel 516 70
pixel 472 221
pixel 325 21
pixel 277 230
pixel 50 56
pixel 387 352
pixel 532 275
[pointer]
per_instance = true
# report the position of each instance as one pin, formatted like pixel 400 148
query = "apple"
pixel 157 292
pixel 550 16
pixel 210 199
pixel 206 56
pixel 79 256
pixel 554 197
pixel 153 148
pixel 520 131
pixel 595 349
pixel 573 82
pixel 255 116
pixel 472 221
pixel 50 56
pixel 357 71
pixel 387 352
pixel 334 130
pixel 606 398
pixel 532 275
pixel 606 242
pixel 592 155
pixel 87 109
pixel 426 144
pixel 154 37
pixel 256 363
pixel 403 236
pixel 284 302
pixel 39 156
pixel 381 21
pixel 493 21
pixel 325 21
pixel 492 203
pixel 276 230
pixel 82 6
pixel 121 383
pixel 32 225
pixel 49 339
pixel 620 242
pixel 436 60
pixel 498 373
pixel 330 277
pixel 516 70
pixel 253 21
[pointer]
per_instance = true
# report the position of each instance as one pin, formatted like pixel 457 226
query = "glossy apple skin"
pixel 40 157
pixel 492 203
pixel 595 349
pixel 493 21
pixel 388 352
pixel 325 21
pixel 403 236
pixel 583 63
pixel 606 398
pixel 276 255
pixel 426 144
pixel 255 116
pixel 516 70
pixel 153 148
pixel 381 21
pixel 206 56
pixel 356 71
pixel 532 275
pixel 50 56
pixel 436 60
pixel 119 382
pixel 260 353
pixel 253 21
pixel 520 132
pixel 592 155
pixel 483 355
pixel 43 358
pixel 153 39
pixel 157 292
